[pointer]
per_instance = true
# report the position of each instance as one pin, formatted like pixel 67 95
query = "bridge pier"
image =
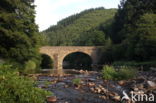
pixel 57 69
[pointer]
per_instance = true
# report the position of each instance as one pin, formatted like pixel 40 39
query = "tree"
pixel 143 42
pixel 18 31
pixel 128 13
pixel 92 37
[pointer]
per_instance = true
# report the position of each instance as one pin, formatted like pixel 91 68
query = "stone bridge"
pixel 58 53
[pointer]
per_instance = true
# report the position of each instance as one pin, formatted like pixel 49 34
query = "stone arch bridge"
pixel 58 53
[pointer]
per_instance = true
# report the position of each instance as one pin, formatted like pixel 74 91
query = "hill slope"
pixel 72 30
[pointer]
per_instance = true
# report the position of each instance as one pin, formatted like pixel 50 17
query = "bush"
pixel 123 73
pixel 76 81
pixel 30 67
pixel 108 72
pixel 19 89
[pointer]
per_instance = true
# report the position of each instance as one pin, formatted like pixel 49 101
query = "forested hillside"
pixel 133 32
pixel 81 29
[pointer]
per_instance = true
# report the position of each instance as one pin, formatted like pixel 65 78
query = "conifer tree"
pixel 18 31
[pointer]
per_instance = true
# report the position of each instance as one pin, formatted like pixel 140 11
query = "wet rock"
pixel 100 86
pixel 86 72
pixel 153 69
pixel 122 82
pixel 66 86
pixel 140 86
pixel 92 89
pixel 91 84
pixel 60 84
pixel 104 90
pixel 136 89
pixel 141 79
pixel 91 79
pixel 151 84
pixel 98 90
pixel 103 97
pixel 117 98
pixel 82 71
pixel 51 99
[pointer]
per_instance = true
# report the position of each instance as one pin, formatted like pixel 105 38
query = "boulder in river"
pixel 51 99
pixel 151 84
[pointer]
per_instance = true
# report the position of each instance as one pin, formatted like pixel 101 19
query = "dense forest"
pixel 81 29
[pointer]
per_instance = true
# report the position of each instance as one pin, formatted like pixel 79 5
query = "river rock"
pixel 122 82
pixel 153 69
pixel 151 84
pixel 60 84
pixel 91 84
pixel 92 89
pixel 91 79
pixel 103 97
pixel 51 99
pixel 135 89
pixel 100 86
pixel 117 98
pixel 98 90
pixel 140 86
pixel 82 71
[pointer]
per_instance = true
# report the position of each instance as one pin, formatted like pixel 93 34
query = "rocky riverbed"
pixel 93 89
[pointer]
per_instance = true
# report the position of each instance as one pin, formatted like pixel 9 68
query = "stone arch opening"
pixel 78 61
pixel 46 62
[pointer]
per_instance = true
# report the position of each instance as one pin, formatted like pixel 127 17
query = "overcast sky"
pixel 49 12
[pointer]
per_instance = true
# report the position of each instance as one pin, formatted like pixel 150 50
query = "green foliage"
pixel 18 31
pixel 19 89
pixel 92 37
pixel 140 65
pixel 47 83
pixel 108 72
pixel 80 29
pixel 133 33
pixel 30 67
pixel 124 73
pixel 76 81
pixel 128 13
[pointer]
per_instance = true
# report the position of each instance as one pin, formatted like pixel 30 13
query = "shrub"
pixel 30 67
pixel 126 73
pixel 19 89
pixel 76 81
pixel 109 73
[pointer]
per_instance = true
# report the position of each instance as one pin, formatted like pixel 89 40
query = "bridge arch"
pixel 58 53
pixel 46 61
pixel 77 60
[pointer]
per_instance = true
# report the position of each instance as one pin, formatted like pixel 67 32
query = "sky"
pixel 49 12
